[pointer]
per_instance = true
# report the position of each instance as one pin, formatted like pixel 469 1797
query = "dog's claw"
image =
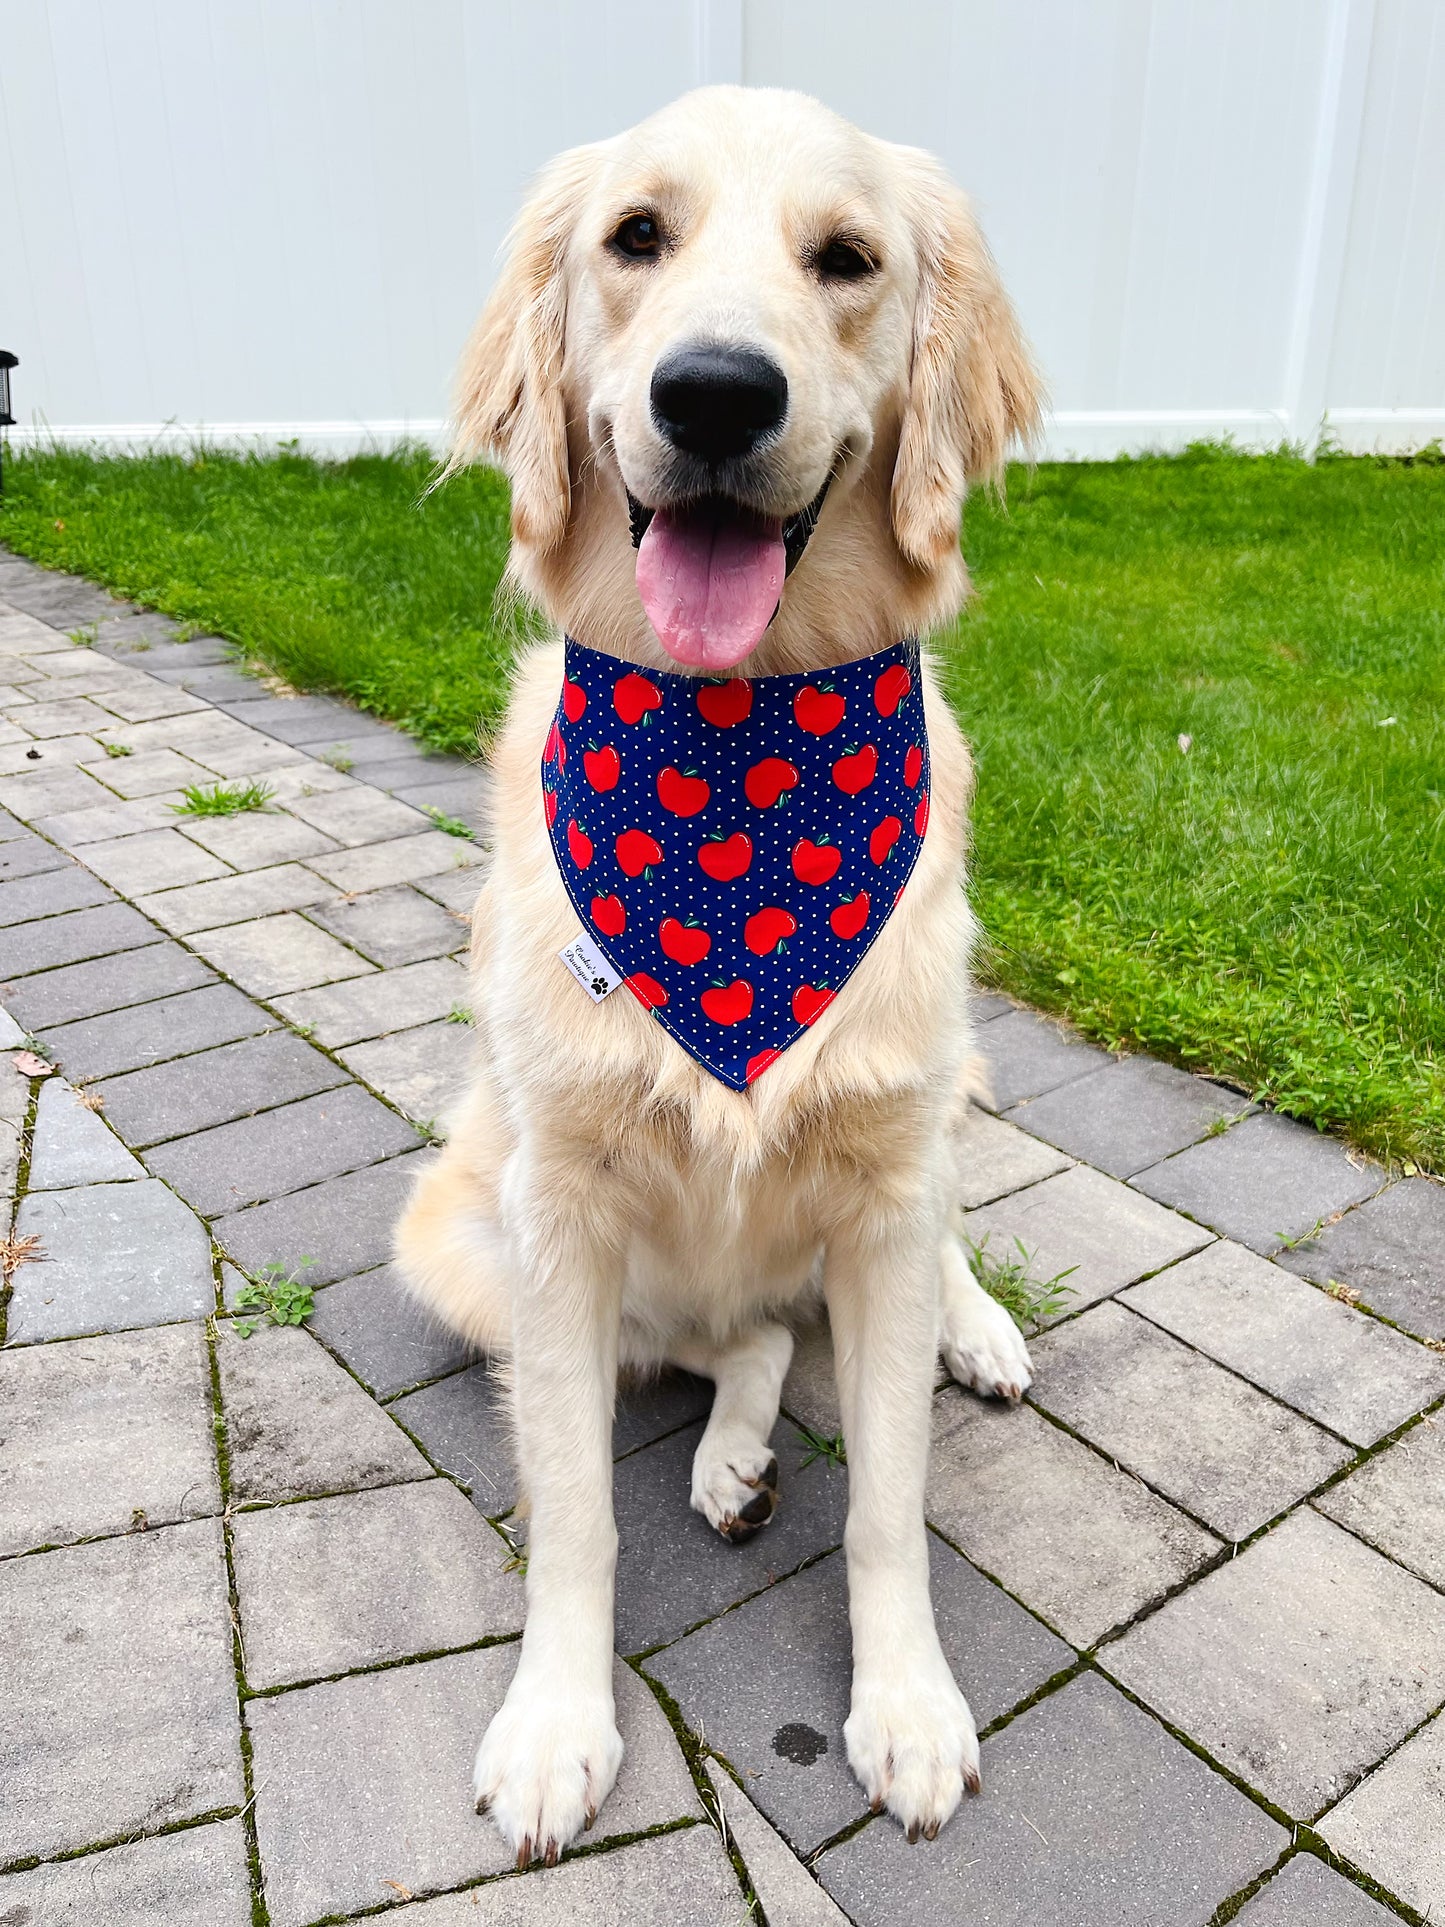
pixel 484 1803
pixel 930 1832
pixel 913 1833
pixel 524 1854
pixel 549 1858
pixel 972 1780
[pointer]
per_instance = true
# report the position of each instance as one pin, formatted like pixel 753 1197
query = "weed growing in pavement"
pixel 453 825
pixel 223 799
pixel 119 749
pixel 280 1297
pixel 831 1449
pixel 1027 1300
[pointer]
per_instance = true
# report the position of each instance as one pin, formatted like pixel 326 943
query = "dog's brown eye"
pixel 844 261
pixel 638 237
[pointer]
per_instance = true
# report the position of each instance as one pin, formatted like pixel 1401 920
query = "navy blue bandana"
pixel 733 847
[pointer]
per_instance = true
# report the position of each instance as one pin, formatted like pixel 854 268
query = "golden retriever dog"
pixel 753 337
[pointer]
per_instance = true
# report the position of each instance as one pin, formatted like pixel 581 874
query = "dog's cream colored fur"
pixel 602 1198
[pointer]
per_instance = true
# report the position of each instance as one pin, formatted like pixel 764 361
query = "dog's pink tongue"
pixel 709 584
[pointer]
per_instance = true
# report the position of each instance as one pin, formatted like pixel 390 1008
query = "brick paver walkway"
pixel 255 1600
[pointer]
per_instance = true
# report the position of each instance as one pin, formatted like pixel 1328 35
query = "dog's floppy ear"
pixel 972 387
pixel 509 407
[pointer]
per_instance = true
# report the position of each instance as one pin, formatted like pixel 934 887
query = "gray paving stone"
pixel 1347 1371
pixel 1129 1115
pixel 331 1585
pixel 788 1892
pixel 220 676
pixel 1298 1664
pixel 28 856
pixel 1392 1824
pixel 70 939
pixel 141 699
pixel 146 773
pixel 262 1157
pixel 106 817
pixel 117 1683
pixel 674 1570
pixel 114 1257
pixel 456 889
pixel 1027 1054
pixel 297 719
pixel 251 893
pixel 1085 1546
pixel 298 1425
pixel 126 1040
pixel 235 1080
pixel 1107 1233
pixel 196 1878
pixel 374 866
pixel 280 953
pixel 1307 1893
pixel 71 1146
pixel 392 927
pixel 345 1223
pixel 35 796
pixel 101 1433
pixel 678 1879
pixel 386 1001
pixel 153 860
pixel 10 828
pixel 384 1334
pixel 786 1740
pixel 1391 1250
pixel 1397 1501
pixel 649 1408
pixel 458 796
pixel 1266 1180
pixel 370 1779
pixel 1237 1459
pixel 1090 1813
pixel 76 717
pixel 424 1072
pixel 183 659
pixel 51 754
pixel 357 815
pixel 50 895
pixel 995 1158
pixel 810 1391
pixel 257 839
pixel 91 989
pixel 462 1422
pixel 393 766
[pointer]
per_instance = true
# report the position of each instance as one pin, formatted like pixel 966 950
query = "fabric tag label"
pixel 590 967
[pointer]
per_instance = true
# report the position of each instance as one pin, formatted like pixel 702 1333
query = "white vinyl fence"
pixel 276 218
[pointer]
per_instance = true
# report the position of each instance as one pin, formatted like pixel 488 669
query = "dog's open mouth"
pixel 710 573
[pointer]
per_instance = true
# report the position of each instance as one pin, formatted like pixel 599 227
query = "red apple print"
pixel 556 750
pixel 725 703
pixel 634 696
pixel 766 781
pixel 883 838
pixel 728 1003
pixel 647 990
pixel 574 699
pixel 920 815
pixel 810 1001
pixel 757 1065
pixel 726 857
pixel 766 929
pixel 815 862
pixel 913 766
pixel 610 915
pixel 890 689
pixel 683 795
pixel 850 916
pixel 818 710
pixel 549 805
pixel 579 843
pixel 685 943
pixel 855 771
pixel 602 767
pixel 636 850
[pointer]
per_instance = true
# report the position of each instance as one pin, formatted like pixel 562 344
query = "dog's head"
pixel 741 332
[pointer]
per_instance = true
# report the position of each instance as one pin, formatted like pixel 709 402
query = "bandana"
pixel 733 847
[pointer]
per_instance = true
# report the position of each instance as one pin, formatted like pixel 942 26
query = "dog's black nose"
pixel 715 402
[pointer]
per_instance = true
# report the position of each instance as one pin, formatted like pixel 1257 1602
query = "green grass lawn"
pixel 1268 905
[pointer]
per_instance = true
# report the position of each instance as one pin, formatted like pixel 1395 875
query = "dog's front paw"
pixel 983 1348
pixel 912 1744
pixel 735 1484
pixel 546 1764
